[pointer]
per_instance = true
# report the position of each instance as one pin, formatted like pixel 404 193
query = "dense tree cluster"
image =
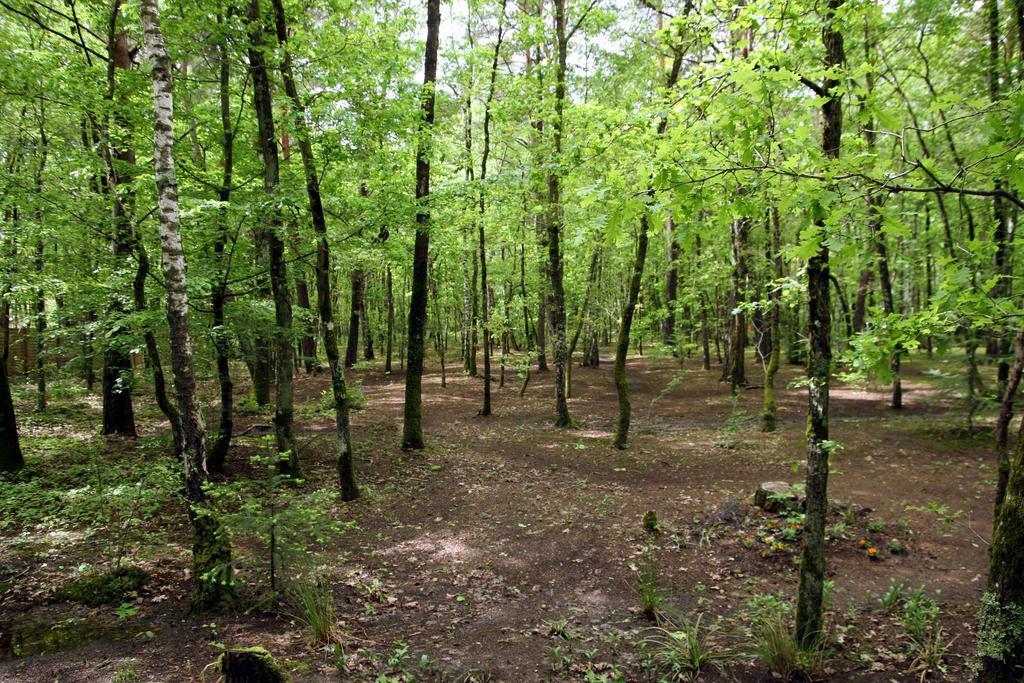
pixel 827 182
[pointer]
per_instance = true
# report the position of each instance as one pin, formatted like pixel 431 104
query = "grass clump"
pixel 649 586
pixel 684 649
pixel 106 588
pixel 313 603
pixel 774 641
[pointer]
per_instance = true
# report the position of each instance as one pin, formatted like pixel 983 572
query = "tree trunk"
pixel 622 345
pixel 412 428
pixel 881 248
pixel 118 413
pixel 1001 622
pixel 738 319
pixel 860 302
pixel 819 364
pixel 284 356
pixel 484 291
pixel 769 410
pixel 367 332
pixel 1001 236
pixel 39 263
pixel 352 346
pixel 153 350
pixel 221 343
pixel 1005 416
pixel 389 341
pixel 553 224
pixel 668 325
pixel 11 459
pixel 345 464
pixel 211 552
pixel 582 316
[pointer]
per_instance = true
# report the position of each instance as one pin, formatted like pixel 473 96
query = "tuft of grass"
pixel 313 603
pixel 682 651
pixel 649 586
pixel 774 642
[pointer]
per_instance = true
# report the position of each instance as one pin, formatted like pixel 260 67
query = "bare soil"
pixel 509 550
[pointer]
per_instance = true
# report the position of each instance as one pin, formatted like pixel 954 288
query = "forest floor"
pixel 510 549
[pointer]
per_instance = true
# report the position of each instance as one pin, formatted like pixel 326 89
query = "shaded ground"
pixel 509 550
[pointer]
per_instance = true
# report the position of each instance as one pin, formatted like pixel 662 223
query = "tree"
pixel 271 237
pixel 211 552
pixel 412 428
pixel 346 469
pixel 819 362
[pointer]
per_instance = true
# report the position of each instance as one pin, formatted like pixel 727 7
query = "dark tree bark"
pixel 352 345
pixel 211 552
pixel 668 325
pixel 819 363
pixel 345 464
pixel 881 248
pixel 389 341
pixel 284 356
pixel 11 458
pixel 484 291
pixel 39 263
pixel 1005 416
pixel 307 345
pixel 622 345
pixel 152 349
pixel 536 134
pixel 221 343
pixel 412 428
pixel 118 413
pixel 860 302
pixel 553 219
pixel 738 319
pixel 367 332
pixel 621 436
pixel 1001 622
pixel 769 409
pixel 582 316
pixel 998 345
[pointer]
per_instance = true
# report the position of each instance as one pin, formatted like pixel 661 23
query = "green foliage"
pixel 106 588
pixel 282 524
pixel 71 484
pixel 126 673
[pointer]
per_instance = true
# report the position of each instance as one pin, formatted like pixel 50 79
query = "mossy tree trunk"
pixel 809 623
pixel 1000 647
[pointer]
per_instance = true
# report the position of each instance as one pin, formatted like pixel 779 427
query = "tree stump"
pixel 251 665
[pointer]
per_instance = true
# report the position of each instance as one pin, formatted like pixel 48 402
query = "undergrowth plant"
pixel 282 524
pixel 684 649
pixel 774 640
